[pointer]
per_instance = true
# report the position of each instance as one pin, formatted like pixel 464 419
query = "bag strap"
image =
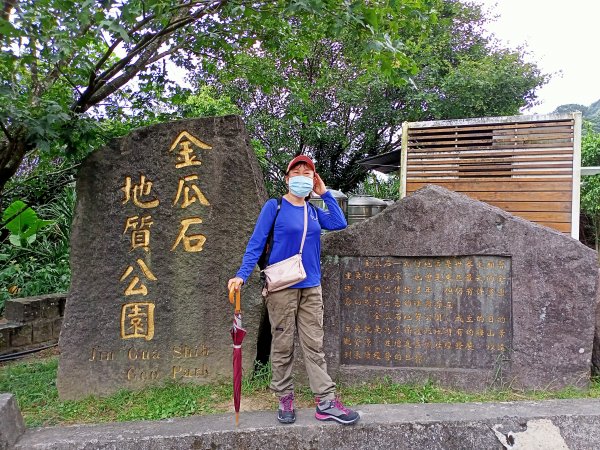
pixel 305 226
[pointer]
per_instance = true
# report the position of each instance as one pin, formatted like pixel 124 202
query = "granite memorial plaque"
pixel 443 287
pixel 426 312
pixel 161 223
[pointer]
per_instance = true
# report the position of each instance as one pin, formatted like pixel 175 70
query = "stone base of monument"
pixel 548 425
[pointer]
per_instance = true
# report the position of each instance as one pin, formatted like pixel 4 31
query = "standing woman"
pixel 301 305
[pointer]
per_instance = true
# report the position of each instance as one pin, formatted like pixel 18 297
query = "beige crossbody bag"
pixel 288 272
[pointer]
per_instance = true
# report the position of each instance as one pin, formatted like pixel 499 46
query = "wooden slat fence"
pixel 526 165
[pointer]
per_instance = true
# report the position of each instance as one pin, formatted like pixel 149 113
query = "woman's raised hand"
pixel 319 185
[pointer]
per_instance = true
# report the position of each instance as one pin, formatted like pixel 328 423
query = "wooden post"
pixel 575 206
pixel 403 159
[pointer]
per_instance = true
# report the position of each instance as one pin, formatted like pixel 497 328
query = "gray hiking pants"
pixel 301 309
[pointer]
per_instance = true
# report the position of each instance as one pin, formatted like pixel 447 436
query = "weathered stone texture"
pixel 28 309
pixel 596 352
pixel 553 280
pixel 192 315
pixel 31 322
pixel 42 332
pixel 56 326
pixel 11 422
pixel 5 332
pixel 21 336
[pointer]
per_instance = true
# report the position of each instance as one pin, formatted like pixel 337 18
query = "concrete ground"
pixel 548 425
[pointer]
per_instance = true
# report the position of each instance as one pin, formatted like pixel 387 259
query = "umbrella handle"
pixel 238 298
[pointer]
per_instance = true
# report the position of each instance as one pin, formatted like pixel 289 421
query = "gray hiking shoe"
pixel 335 410
pixel 286 413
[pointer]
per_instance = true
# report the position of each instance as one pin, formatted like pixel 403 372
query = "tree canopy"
pixel 313 93
pixel 66 63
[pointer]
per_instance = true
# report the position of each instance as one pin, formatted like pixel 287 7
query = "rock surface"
pixel 553 287
pixel 161 223
pixel 596 353
pixel 11 422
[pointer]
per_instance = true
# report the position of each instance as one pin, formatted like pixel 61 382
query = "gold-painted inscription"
pixel 142 355
pixel 137 321
pixel 191 243
pixel 135 286
pixel 182 146
pixel 189 192
pixel 428 312
pixel 140 231
pixel 136 374
pixel 185 351
pixel 137 317
pixel 101 355
pixel 136 192
pixel 179 372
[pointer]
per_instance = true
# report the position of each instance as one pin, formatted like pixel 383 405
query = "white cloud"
pixel 561 37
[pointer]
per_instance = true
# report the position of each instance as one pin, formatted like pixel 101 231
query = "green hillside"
pixel 590 113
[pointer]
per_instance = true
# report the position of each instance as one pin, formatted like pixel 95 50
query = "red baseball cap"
pixel 301 159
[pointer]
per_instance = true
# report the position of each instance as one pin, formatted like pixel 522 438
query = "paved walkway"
pixel 548 425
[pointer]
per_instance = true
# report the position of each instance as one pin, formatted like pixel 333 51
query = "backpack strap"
pixel 263 261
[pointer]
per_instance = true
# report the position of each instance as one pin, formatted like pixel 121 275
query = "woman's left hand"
pixel 319 185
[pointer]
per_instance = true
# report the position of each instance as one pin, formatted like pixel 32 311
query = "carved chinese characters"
pixel 186 158
pixel 154 241
pixel 137 318
pixel 426 312
pixel 188 191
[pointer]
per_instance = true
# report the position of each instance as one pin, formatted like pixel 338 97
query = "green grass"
pixel 33 383
pixel 386 391
pixel 34 386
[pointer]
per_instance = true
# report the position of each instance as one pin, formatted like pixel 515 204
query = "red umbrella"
pixel 237 334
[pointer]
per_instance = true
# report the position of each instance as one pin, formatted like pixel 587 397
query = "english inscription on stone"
pixel 435 312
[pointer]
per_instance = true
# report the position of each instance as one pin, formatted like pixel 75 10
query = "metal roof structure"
pixel 384 163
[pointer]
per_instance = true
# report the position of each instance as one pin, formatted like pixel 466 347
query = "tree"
pixel 66 62
pixel 314 94
pixel 497 84
pixel 590 186
pixel 590 113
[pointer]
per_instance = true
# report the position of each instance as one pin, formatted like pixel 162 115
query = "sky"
pixel 562 37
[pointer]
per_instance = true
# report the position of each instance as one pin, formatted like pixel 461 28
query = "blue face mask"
pixel 301 186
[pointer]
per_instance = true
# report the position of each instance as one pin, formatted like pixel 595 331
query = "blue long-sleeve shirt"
pixel 287 236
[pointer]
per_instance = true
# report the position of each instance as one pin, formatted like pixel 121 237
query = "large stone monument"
pixel 162 219
pixel 440 286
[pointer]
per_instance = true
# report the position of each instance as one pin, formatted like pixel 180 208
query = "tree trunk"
pixel 12 152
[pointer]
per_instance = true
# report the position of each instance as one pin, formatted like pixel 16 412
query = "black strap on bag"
pixel 263 261
pixel 263 344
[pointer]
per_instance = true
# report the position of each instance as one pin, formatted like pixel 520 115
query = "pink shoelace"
pixel 339 405
pixel 287 402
